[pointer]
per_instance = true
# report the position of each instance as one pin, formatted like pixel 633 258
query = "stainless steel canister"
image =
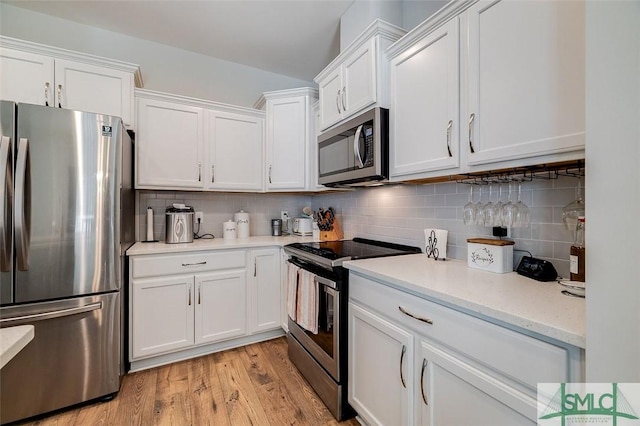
pixel 179 226
pixel 276 227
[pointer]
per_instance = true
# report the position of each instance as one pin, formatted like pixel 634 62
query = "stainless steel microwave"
pixel 355 153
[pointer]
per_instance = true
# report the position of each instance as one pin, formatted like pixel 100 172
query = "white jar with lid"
pixel 229 230
pixel 242 223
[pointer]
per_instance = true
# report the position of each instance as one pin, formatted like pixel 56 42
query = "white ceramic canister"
pixel 229 230
pixel 242 223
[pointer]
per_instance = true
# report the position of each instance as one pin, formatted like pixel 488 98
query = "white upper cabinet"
pixel 190 144
pixel 424 111
pixel 235 147
pixel 357 78
pixel 525 70
pixel 169 145
pixel 37 74
pixel 290 127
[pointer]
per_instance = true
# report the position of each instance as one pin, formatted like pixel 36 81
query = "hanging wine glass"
pixel 491 211
pixel 468 211
pixel 573 210
pixel 523 214
pixel 479 209
pixel 509 211
pixel 498 207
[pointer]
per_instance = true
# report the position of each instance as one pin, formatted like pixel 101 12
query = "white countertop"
pixel 13 340
pixel 509 298
pixel 141 248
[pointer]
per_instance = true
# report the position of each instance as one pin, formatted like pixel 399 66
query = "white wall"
pixel 613 190
pixel 416 11
pixel 164 68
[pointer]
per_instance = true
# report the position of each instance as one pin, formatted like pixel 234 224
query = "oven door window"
pixel 327 315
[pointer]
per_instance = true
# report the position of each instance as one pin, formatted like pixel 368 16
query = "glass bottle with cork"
pixel 577 257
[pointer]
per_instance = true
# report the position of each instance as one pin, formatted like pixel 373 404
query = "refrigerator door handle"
pixel 6 199
pixel 53 314
pixel 23 205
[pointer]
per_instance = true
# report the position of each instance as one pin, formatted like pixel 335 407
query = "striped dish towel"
pixel 307 312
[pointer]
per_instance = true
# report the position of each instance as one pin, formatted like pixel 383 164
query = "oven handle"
pixel 318 279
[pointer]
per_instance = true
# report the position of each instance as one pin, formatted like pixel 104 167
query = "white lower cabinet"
pixel 183 305
pixel 416 362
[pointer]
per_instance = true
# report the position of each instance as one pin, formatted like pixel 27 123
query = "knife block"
pixel 334 234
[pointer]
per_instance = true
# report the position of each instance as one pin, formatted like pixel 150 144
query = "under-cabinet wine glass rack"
pixel 525 174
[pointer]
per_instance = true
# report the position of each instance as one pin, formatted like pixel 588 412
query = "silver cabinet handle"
pixel 6 202
pixel 255 267
pixel 356 147
pixel 213 173
pixel 338 102
pixel 195 264
pixel 404 349
pixel 404 311
pixel 54 314
pixel 270 167
pixel 23 205
pixel 199 297
pixel 344 93
pixel 59 95
pixel 199 172
pixel 472 118
pixel 189 295
pixel 449 126
pixel 424 366
pixel 46 94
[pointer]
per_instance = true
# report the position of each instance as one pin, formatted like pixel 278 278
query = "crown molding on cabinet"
pixel 287 93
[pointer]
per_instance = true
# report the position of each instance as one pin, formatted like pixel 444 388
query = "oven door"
pixel 324 347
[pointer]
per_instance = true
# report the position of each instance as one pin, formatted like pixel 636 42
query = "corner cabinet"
pixel 484 85
pixel 416 362
pixel 190 144
pixel 43 75
pixel 357 78
pixel 290 129
pixel 184 305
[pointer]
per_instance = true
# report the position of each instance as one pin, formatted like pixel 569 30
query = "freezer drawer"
pixel 74 356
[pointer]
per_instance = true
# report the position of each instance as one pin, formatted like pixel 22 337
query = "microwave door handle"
pixel 6 207
pixel 356 147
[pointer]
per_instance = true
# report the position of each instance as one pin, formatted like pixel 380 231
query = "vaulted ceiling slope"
pixel 297 38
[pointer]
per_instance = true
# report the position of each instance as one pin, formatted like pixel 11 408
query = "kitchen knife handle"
pixel 344 94
pixel 404 350
pixel 6 199
pixel 46 93
pixel 472 118
pixel 404 311
pixel 424 366
pixel 449 126
pixel 213 173
pixel 59 95
pixel 23 205
pixel 338 102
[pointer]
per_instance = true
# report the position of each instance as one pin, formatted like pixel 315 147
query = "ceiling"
pixel 297 38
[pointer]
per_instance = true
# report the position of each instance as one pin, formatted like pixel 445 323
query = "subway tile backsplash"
pixel 396 213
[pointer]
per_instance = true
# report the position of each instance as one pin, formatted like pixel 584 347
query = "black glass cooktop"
pixel 358 248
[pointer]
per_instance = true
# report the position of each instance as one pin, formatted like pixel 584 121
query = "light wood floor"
pixel 253 385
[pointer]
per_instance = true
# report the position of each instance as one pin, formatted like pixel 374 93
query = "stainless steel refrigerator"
pixel 66 220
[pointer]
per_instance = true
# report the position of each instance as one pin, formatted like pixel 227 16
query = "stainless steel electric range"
pixel 322 357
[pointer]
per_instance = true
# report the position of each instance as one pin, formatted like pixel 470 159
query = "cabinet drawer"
pixel 522 358
pixel 157 265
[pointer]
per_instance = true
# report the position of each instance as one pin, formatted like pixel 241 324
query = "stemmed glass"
pixel 573 210
pixel 509 211
pixel 479 209
pixel 491 211
pixel 468 211
pixel 523 214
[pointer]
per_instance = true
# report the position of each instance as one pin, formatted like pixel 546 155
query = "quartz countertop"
pixel 161 247
pixel 539 307
pixel 13 340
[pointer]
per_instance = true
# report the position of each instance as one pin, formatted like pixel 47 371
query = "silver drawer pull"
pixel 195 264
pixel 427 320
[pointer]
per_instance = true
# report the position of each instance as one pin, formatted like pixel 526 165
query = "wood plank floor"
pixel 252 385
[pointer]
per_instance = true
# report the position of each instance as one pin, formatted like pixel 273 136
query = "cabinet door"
pixel 26 77
pixel 221 300
pixel 380 369
pixel 93 88
pixel 264 286
pixel 331 101
pixel 286 140
pixel 526 79
pixel 235 143
pixel 162 315
pixel 451 392
pixel 425 102
pixel 169 145
pixel 359 79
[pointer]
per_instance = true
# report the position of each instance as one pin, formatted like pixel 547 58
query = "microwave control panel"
pixel 367 152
